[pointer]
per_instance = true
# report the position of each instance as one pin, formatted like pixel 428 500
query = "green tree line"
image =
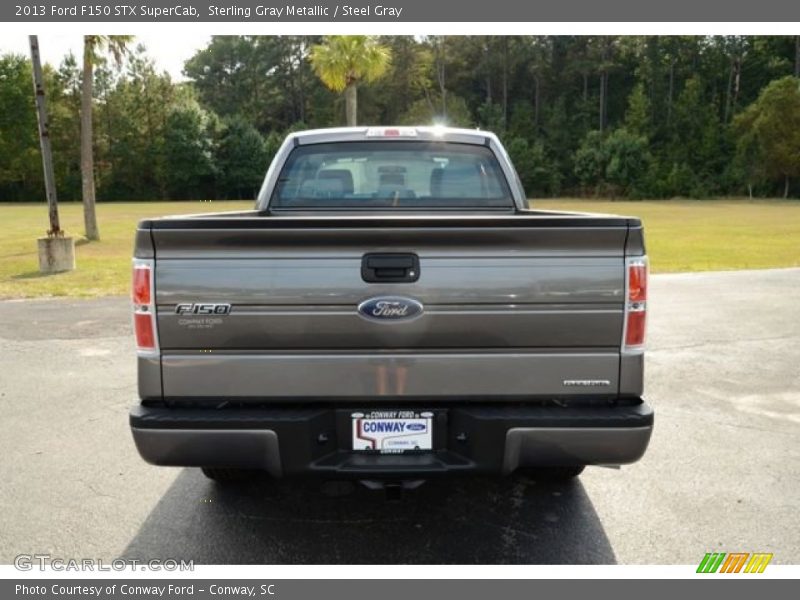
pixel 620 116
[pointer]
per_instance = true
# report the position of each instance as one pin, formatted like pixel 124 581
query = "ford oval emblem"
pixel 415 427
pixel 390 308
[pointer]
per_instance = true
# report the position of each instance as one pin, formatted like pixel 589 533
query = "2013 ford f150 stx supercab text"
pixel 391 310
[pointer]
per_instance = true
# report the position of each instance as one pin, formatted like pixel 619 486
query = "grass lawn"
pixel 709 235
pixel 681 236
pixel 103 267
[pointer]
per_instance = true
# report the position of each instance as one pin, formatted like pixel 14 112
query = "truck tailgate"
pixel 512 304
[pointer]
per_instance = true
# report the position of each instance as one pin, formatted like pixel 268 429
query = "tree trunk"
pixel 603 92
pixel 488 59
pixel 301 79
pixel 429 100
pixel 44 139
pixel 444 97
pixel 441 73
pixel 737 82
pixel 797 56
pixel 505 82
pixel 671 90
pixel 604 66
pixel 351 104
pixel 785 186
pixel 443 90
pixel 728 95
pixel 87 157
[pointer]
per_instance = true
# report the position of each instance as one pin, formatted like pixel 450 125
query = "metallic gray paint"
pixel 441 326
pixel 332 280
pixel 395 234
pixel 380 377
pixel 149 377
pixel 143 244
pixel 531 288
pixel 631 374
pixel 634 245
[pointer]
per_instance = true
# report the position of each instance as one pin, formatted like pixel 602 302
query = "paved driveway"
pixel 722 472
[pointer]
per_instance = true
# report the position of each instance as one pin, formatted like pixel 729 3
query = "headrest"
pixel 457 181
pixel 335 181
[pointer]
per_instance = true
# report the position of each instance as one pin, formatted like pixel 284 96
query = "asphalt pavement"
pixel 722 472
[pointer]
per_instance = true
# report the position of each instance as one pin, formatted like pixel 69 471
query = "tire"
pixel 551 473
pixel 225 475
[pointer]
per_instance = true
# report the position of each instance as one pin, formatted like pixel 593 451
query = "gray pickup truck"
pixel 391 310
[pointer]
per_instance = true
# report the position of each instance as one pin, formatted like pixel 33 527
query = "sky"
pixel 169 52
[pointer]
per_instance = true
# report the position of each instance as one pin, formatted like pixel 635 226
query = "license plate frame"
pixel 392 431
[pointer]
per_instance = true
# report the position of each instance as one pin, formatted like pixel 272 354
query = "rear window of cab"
pixel 391 174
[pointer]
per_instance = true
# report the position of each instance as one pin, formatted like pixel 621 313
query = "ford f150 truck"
pixel 391 310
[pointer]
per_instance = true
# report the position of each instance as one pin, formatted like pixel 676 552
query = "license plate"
pixel 392 431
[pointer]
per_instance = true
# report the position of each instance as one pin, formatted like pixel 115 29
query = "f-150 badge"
pixel 390 308
pixel 202 309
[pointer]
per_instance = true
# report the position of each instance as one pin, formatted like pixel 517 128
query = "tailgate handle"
pixel 390 268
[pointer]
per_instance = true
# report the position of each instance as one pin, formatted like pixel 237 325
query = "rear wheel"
pixel 228 475
pixel 551 473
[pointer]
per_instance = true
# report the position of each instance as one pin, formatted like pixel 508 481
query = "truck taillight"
pixel 143 325
pixel 635 303
pixel 144 310
pixel 141 284
pixel 637 280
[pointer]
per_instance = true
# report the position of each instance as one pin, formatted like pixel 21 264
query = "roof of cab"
pixel 403 133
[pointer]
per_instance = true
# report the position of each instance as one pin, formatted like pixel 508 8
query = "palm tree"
pixel 93 45
pixel 344 61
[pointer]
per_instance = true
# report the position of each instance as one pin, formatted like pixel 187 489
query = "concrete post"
pixel 56 254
